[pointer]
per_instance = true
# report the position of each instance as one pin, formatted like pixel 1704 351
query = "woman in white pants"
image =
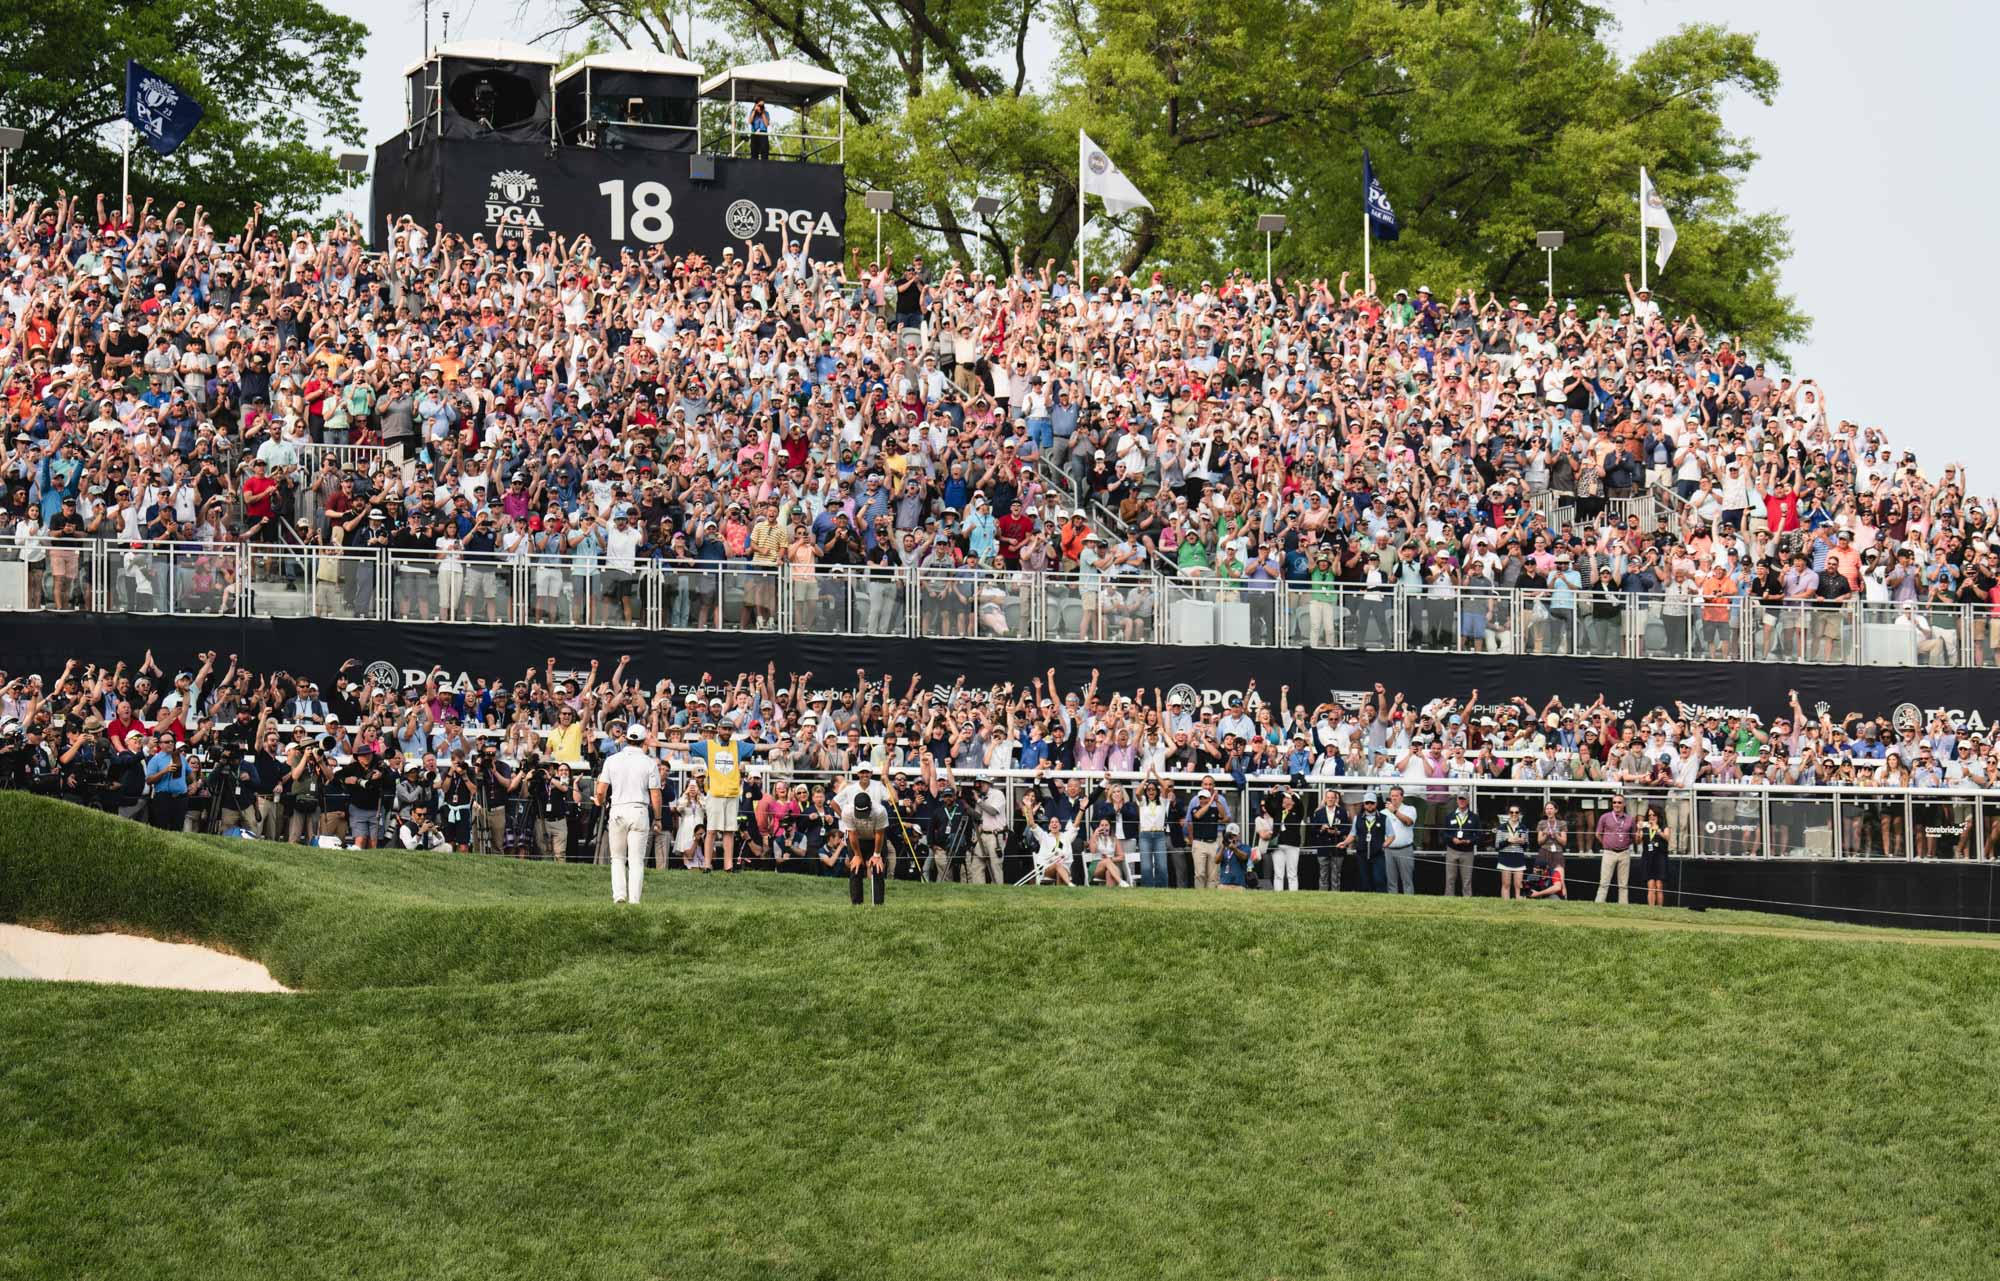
pixel 630 782
pixel 1287 817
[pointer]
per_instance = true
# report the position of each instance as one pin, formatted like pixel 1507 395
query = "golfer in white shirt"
pixel 630 781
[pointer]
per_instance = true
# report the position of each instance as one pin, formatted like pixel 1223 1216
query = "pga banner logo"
pixel 746 220
pixel 155 102
pixel 394 678
pixel 513 199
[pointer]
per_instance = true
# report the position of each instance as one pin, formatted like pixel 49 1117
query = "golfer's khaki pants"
pixel 1205 853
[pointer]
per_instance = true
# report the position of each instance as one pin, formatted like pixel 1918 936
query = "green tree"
pixel 1489 120
pixel 272 75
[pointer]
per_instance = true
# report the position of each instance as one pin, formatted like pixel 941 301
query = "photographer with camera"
pixel 495 781
pixel 367 784
pixel 83 762
pixel 413 788
pixel 252 802
pixel 303 789
pixel 32 762
pixel 458 800
pixel 418 830
pixel 556 796
pixel 127 767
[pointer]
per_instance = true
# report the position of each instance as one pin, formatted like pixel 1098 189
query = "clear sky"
pixel 1875 150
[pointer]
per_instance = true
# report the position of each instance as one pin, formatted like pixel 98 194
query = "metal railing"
pixel 346 458
pixel 1708 820
pixel 274 581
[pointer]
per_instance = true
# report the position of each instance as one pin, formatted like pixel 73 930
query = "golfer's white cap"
pixel 636 732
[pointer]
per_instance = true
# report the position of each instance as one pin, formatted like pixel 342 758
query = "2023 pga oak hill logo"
pixel 155 102
pixel 514 199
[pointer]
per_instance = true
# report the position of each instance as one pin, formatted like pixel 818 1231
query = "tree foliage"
pixel 1489 120
pixel 272 75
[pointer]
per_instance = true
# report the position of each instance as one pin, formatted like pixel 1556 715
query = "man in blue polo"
pixel 168 775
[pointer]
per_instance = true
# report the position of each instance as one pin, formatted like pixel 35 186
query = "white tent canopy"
pixel 784 83
pixel 639 61
pixel 488 51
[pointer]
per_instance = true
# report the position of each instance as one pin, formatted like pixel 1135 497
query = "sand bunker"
pixel 121 958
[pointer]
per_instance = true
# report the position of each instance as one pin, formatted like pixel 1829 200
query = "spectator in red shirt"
pixel 1013 529
pixel 1781 504
pixel 258 488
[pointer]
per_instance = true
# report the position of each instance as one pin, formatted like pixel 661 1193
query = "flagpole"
pixel 1642 227
pixel 1081 201
pixel 125 176
pixel 1367 241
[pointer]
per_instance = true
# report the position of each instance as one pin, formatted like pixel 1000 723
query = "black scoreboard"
pixel 623 198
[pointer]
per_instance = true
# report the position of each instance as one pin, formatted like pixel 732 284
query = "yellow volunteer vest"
pixel 725 770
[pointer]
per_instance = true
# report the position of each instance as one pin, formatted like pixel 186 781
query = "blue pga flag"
pixel 163 112
pixel 1381 218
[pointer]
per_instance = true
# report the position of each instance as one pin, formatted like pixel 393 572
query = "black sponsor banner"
pixel 1208 674
pixel 624 198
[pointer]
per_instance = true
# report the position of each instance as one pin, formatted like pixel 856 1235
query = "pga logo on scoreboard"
pixel 746 220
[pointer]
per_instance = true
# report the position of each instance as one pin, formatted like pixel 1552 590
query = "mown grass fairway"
pixel 494 1073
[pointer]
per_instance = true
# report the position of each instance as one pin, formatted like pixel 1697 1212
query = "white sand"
pixel 121 958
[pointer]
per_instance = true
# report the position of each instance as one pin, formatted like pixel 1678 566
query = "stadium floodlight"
pixel 1549 242
pixel 10 142
pixel 881 202
pixel 1270 225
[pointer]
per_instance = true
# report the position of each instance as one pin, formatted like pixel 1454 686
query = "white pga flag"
pixel 1102 179
pixel 1653 213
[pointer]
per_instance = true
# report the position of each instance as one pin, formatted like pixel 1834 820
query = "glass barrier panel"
pixel 138 579
pixel 282 580
pixel 1600 622
pixel 947 602
pixel 821 599
pixel 1129 608
pixel 346 584
pixel 1430 617
pixel 1062 607
pixel 1783 635
pixel 690 596
pixel 1485 620
pixel 203 581
pixel 1319 615
pixel 1801 826
pixel 749 600
pixel 414 585
pixel 1942 827
pixel 1728 825
pixel 69 569
pixel 1979 630
pixel 1545 628
pixel 1664 626
pixel 23 573
pixel 882 602
pixel 477 588
pixel 1004 601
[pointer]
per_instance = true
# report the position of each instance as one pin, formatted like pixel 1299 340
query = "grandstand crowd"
pixel 168 383
pixel 1039 771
